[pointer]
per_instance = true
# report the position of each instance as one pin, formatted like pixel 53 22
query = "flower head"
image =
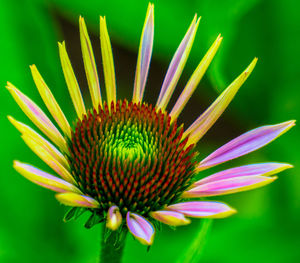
pixel 129 161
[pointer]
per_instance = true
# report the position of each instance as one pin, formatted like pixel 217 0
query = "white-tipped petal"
pixel 114 218
pixel 71 81
pixel 50 101
pixel 44 179
pixel 144 57
pixel 108 63
pixel 210 116
pixel 141 228
pixel 195 79
pixel 171 218
pixel 38 117
pixel 176 66
pixel 73 199
pixel 90 65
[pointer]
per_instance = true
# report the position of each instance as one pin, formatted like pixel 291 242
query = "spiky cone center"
pixel 130 155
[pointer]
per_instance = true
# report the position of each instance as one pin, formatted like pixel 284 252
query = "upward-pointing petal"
pixel 50 101
pixel 195 79
pixel 176 66
pixel 210 116
pixel 90 65
pixel 245 143
pixel 108 63
pixel 71 81
pixel 38 117
pixel 144 57
pixel 141 228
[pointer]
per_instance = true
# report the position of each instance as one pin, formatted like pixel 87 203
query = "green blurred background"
pixel 267 227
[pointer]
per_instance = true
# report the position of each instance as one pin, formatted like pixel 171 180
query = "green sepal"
pixel 73 213
pixel 94 219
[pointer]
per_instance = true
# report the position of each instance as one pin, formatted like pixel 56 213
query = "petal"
pixel 90 65
pixel 73 199
pixel 47 146
pixel 246 143
pixel 108 62
pixel 210 116
pixel 144 57
pixel 195 79
pixel 38 117
pixel 171 218
pixel 265 169
pixel 141 228
pixel 229 186
pixel 50 101
pixel 71 81
pixel 205 209
pixel 44 179
pixel 176 66
pixel 114 218
pixel 44 154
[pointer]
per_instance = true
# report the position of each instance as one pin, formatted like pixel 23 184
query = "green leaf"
pixel 73 213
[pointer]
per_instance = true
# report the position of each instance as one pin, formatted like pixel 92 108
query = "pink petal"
pixel 114 218
pixel 229 186
pixel 73 199
pixel 246 143
pixel 171 218
pixel 265 169
pixel 141 228
pixel 203 209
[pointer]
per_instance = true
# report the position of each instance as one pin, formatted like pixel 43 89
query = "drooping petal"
pixel 71 81
pixel 44 179
pixel 171 218
pixel 50 101
pixel 47 146
pixel 73 199
pixel 141 228
pixel 210 116
pixel 205 209
pixel 38 117
pixel 44 154
pixel 108 63
pixel 176 66
pixel 195 79
pixel 144 57
pixel 265 169
pixel 245 143
pixel 90 65
pixel 114 218
pixel 229 186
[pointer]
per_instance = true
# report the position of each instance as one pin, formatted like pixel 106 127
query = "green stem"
pixel 112 245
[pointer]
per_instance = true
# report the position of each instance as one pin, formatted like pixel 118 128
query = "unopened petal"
pixel 90 65
pixel 73 199
pixel 171 218
pixel 38 117
pixel 195 79
pixel 246 143
pixel 108 63
pixel 144 57
pixel 265 169
pixel 210 116
pixel 44 179
pixel 50 101
pixel 47 146
pixel 71 81
pixel 203 209
pixel 141 228
pixel 114 218
pixel 176 66
pixel 229 186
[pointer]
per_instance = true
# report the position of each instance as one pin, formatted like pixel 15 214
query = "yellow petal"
pixel 73 199
pixel 90 65
pixel 108 63
pixel 195 79
pixel 71 81
pixel 50 101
